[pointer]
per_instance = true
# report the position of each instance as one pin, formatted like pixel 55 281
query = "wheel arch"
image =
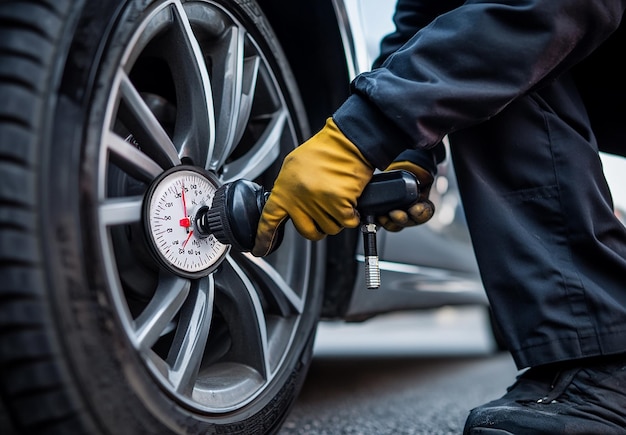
pixel 310 37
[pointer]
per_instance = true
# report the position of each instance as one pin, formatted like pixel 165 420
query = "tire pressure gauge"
pixel 168 213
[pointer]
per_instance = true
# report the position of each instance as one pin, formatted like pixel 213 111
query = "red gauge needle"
pixel 185 221
pixel 187 239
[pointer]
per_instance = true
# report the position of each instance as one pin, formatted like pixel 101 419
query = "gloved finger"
pixel 272 219
pixel 417 214
pixel 394 221
pixel 399 217
pixel 329 216
pixel 346 217
pixel 388 224
pixel 267 231
pixel 421 212
pixel 309 229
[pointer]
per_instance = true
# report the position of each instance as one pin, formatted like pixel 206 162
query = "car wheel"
pixel 119 119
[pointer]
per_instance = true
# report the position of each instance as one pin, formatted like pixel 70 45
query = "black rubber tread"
pixel 23 71
pixel 16 144
pixel 20 15
pixel 18 186
pixel 18 105
pixel 17 218
pixel 31 380
pixel 20 281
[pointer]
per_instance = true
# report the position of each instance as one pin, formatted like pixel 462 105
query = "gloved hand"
pixel 418 213
pixel 317 187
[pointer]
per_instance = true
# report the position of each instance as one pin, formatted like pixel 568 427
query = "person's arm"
pixel 467 65
pixel 409 17
pixel 461 69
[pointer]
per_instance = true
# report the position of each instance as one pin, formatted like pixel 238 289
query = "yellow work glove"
pixel 418 213
pixel 317 187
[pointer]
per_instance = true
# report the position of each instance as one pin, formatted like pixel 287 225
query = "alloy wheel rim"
pixel 194 87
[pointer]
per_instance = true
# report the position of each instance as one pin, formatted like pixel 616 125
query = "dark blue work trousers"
pixel 552 253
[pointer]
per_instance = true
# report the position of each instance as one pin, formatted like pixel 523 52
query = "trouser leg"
pixel 551 252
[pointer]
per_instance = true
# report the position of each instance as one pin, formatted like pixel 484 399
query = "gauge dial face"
pixel 169 210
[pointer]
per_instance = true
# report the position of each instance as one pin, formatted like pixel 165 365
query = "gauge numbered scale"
pixel 170 205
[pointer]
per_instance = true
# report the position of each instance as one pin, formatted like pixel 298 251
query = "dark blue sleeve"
pixel 427 159
pixel 409 17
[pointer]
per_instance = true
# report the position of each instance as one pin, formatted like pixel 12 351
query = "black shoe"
pixel 558 399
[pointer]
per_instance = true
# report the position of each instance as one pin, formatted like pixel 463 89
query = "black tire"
pixel 96 336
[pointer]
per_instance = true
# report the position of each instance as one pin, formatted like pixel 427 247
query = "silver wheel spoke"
pixel 250 75
pixel 117 211
pixel 131 159
pixel 145 126
pixel 191 337
pixel 286 298
pixel 264 152
pixel 228 79
pixel 166 303
pixel 196 119
pixel 247 320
